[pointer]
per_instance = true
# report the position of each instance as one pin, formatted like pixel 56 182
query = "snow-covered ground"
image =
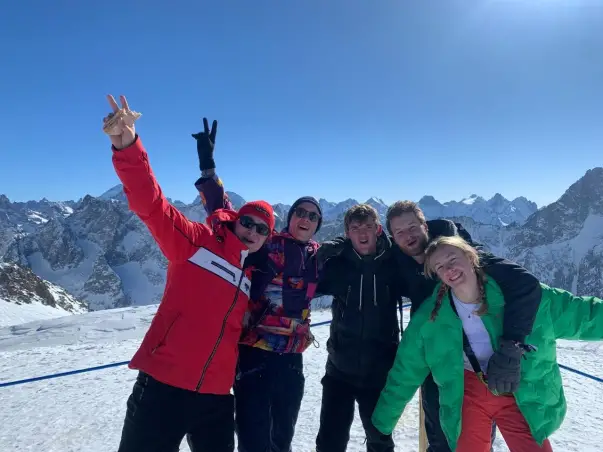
pixel 85 412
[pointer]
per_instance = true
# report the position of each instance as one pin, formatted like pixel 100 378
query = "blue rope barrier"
pixel 583 374
pixel 123 363
pixel 63 374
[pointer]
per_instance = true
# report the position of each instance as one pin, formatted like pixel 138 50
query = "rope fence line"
pixel 124 363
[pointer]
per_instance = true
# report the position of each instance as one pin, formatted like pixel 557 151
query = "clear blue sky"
pixel 337 99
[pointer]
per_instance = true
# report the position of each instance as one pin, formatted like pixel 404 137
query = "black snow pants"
pixel 268 388
pixel 430 396
pixel 337 415
pixel 158 417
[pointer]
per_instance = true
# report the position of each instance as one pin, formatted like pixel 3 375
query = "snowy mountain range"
pixel 101 253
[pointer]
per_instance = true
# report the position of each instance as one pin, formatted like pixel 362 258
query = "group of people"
pixel 224 352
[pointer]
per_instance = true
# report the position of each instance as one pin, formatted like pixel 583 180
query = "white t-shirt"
pixel 476 332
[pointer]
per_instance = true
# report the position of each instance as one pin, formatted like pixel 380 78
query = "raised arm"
pixel 212 194
pixel 209 185
pixel 177 237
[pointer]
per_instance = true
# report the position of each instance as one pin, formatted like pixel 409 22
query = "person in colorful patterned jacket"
pixel 270 382
pixel 188 357
pixel 455 334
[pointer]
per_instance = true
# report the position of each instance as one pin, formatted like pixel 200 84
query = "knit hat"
pixel 301 200
pixel 260 209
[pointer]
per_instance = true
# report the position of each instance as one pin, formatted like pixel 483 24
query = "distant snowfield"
pixel 15 314
pixel 86 411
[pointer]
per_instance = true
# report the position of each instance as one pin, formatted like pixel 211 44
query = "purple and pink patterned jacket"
pixel 283 283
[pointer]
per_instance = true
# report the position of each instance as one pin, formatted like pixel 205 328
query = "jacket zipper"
pixel 360 304
pixel 375 289
pixel 215 349
pixel 345 306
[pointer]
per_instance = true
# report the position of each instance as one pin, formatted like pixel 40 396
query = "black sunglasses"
pixel 248 223
pixel 303 213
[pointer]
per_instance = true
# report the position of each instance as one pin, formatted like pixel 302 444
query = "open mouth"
pixel 303 228
pixel 411 243
pixel 363 241
pixel 455 277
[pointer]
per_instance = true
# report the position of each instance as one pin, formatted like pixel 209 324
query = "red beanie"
pixel 260 209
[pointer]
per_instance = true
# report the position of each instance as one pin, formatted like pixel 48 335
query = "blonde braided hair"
pixel 471 254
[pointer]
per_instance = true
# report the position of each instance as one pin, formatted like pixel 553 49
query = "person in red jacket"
pixel 188 357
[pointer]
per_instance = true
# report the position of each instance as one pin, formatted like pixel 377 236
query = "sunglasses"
pixel 248 223
pixel 300 212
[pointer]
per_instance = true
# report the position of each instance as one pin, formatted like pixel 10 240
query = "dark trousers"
pixel 269 388
pixel 158 417
pixel 337 415
pixel 430 396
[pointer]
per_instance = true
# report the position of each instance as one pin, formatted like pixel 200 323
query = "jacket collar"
pixel 384 246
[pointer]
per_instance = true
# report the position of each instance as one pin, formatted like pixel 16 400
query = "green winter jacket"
pixel 437 347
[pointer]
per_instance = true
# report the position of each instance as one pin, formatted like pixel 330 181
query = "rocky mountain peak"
pixel 566 216
pixel 21 286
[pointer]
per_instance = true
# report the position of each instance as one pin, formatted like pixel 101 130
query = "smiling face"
pixel 252 231
pixel 304 222
pixel 409 233
pixel 453 267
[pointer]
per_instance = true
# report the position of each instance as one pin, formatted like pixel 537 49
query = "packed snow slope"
pixel 86 411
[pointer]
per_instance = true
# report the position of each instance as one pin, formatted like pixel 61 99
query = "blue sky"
pixel 337 99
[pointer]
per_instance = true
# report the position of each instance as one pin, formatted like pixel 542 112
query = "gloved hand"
pixel 504 368
pixel 206 141
pixel 330 249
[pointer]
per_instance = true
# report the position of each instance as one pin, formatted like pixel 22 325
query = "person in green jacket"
pixel 467 307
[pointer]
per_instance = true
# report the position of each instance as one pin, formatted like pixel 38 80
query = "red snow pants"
pixel 480 408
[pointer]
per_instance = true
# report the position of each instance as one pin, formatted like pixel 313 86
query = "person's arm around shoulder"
pixel 575 318
pixel 522 293
pixel 177 236
pixel 326 258
pixel 209 185
pixel 406 376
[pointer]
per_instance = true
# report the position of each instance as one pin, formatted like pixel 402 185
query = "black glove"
pixel 504 368
pixel 330 249
pixel 206 141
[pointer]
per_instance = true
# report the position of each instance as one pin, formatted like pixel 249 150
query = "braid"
pixel 481 282
pixel 441 293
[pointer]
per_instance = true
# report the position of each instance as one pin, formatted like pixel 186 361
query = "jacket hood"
pixel 220 217
pixel 441 227
pixel 221 223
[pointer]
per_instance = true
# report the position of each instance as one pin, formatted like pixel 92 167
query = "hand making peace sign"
pixel 119 124
pixel 206 141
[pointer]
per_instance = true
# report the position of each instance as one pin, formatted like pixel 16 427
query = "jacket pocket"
pixel 165 332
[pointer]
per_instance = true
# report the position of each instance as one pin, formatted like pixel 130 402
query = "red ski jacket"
pixel 193 338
